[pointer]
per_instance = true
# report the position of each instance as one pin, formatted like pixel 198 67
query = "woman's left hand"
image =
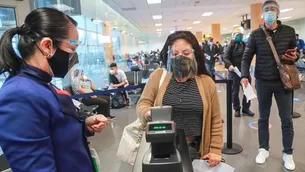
pixel 96 123
pixel 213 159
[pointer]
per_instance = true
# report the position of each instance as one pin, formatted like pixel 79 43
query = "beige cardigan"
pixel 212 133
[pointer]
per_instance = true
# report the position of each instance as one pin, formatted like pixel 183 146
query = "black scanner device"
pixel 162 155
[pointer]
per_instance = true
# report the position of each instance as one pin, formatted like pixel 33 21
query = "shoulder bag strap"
pixel 269 39
pixel 162 77
pixel 161 81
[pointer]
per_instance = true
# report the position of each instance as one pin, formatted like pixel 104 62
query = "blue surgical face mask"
pixel 270 17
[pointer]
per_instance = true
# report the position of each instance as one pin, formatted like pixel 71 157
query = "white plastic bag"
pixel 203 166
pixel 96 160
pixel 130 142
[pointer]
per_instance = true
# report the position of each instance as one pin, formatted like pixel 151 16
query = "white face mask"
pixel 111 72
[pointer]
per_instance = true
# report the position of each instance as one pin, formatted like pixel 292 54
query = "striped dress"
pixel 187 105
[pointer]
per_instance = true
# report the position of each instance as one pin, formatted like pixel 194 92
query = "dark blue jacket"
pixel 40 131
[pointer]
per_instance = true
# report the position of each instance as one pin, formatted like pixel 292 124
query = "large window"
pixel 7 21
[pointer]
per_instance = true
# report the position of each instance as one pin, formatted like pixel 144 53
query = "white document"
pixel 236 70
pixel 203 166
pixel 208 57
pixel 248 92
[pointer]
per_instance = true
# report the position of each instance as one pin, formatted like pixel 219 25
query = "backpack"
pixel 117 101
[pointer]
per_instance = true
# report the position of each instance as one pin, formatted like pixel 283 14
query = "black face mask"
pixel 183 66
pixel 59 63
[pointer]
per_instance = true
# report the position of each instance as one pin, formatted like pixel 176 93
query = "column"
pixel 199 36
pixel 123 44
pixel 216 32
pixel 256 16
pixel 134 44
pixel 256 20
pixel 108 50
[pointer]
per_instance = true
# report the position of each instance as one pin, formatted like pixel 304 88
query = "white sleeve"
pixel 124 77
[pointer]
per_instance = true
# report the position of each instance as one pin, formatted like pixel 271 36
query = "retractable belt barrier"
pixel 107 92
pixel 229 148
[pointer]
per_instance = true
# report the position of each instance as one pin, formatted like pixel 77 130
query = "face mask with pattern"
pixel 183 67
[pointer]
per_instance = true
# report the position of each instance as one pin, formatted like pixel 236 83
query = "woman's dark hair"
pixel 42 22
pixel 191 39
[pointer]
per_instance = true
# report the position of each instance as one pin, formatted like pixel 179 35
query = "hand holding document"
pixel 208 57
pixel 236 70
pixel 203 166
pixel 248 91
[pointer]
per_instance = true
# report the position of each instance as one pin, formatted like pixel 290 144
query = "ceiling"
pixel 181 14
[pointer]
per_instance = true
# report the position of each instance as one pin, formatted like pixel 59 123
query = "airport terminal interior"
pixel 132 34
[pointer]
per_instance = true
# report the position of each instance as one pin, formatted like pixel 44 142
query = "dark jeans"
pixel 235 93
pixel 211 69
pixel 265 91
pixel 103 103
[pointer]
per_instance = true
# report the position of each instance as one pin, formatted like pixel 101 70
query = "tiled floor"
pixel 107 142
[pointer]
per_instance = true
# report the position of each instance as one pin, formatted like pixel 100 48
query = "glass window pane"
pixel 7 21
pixel 90 25
pixel 80 21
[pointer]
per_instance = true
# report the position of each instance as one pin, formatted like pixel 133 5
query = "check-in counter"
pixel 181 147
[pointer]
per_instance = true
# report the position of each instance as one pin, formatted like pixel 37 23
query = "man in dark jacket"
pixel 232 58
pixel 211 52
pixel 268 81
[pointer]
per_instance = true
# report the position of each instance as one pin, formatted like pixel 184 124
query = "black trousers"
pixel 265 91
pixel 235 93
pixel 103 103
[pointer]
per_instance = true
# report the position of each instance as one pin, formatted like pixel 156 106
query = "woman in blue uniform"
pixel 40 130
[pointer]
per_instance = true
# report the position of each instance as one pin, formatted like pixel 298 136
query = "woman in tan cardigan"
pixel 192 94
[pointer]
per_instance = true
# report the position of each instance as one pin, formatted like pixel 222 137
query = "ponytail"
pixel 9 61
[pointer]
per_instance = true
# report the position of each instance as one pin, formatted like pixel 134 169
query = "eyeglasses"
pixel 186 53
pixel 70 41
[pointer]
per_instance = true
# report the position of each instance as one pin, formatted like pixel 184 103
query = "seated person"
pixel 80 86
pixel 118 79
pixel 192 94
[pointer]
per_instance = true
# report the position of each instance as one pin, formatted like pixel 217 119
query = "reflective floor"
pixel 106 143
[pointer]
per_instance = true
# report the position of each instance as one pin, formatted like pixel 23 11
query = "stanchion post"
pixel 230 148
pixel 229 115
pixel 294 114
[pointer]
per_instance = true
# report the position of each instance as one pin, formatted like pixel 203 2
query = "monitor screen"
pixel 160 127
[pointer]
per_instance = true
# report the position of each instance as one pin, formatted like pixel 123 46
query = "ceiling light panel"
pixel 285 18
pixel 159 30
pixel 158 24
pixel 189 28
pixel 157 17
pixel 286 10
pixel 207 14
pixel 153 1
pixel 196 22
